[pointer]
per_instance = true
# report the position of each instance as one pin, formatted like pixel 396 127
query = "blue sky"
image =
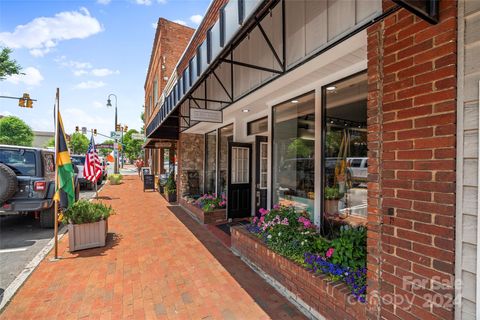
pixel 88 49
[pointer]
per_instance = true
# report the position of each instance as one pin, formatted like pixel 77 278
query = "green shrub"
pixel 332 193
pixel 170 185
pixel 350 247
pixel 84 211
pixel 115 178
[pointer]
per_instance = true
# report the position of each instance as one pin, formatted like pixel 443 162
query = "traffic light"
pixel 117 128
pixel 125 129
pixel 95 131
pixel 21 103
pixel 30 103
pixel 76 129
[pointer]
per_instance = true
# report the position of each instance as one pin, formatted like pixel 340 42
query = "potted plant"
pixel 115 178
pixel 87 224
pixel 332 196
pixel 170 188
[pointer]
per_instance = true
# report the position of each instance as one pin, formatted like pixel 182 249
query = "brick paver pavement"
pixel 153 267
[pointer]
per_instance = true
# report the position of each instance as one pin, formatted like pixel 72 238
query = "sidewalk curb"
pixel 17 283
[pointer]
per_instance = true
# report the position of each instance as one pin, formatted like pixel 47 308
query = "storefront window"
pixel 210 161
pixel 293 173
pixel 225 136
pixel 345 150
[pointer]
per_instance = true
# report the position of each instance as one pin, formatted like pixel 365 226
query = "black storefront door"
pixel 261 164
pixel 239 200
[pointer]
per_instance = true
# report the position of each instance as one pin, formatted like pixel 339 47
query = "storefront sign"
pixel 425 9
pixel 148 182
pixel 163 144
pixel 205 115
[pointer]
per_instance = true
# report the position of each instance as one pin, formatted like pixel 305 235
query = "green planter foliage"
pixel 84 211
pixel 115 178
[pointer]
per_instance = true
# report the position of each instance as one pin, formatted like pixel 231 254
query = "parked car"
pixel 357 170
pixel 79 161
pixel 27 183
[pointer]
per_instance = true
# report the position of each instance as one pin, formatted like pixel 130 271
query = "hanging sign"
pixel 205 115
pixel 138 136
pixel 163 144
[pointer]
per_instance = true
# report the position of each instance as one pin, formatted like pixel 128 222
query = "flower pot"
pixel 87 235
pixel 171 197
pixel 331 207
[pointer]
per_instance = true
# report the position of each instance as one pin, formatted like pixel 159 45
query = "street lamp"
pixel 115 152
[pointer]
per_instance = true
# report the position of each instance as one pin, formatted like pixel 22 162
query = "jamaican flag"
pixel 64 165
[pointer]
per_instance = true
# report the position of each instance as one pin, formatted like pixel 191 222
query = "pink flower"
pixel 306 222
pixel 276 207
pixel 263 211
pixel 255 220
pixel 262 219
pixel 329 252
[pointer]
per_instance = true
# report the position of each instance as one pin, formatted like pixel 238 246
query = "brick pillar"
pixel 411 200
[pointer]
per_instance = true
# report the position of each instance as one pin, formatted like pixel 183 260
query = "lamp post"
pixel 115 152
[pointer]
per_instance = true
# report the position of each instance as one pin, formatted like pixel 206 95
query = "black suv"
pixel 27 182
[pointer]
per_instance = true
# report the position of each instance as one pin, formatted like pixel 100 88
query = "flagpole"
pixel 55 218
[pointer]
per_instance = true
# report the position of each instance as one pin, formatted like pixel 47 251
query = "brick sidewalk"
pixel 153 267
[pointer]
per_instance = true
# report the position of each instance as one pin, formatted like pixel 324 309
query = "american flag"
pixel 92 170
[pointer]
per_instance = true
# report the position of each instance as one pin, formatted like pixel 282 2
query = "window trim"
pixel 249 133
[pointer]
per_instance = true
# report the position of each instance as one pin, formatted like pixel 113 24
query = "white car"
pixel 358 169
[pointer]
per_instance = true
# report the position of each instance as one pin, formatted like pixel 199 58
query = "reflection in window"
pixel 225 135
pixel 293 153
pixel 210 161
pixel 345 165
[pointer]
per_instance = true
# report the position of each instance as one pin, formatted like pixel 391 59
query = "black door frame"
pixel 229 182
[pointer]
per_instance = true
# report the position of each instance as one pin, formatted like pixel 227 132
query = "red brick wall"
pixel 412 125
pixel 331 299
pixel 170 42
pixel 208 21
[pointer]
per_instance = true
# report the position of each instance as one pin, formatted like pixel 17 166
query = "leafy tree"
pixel 8 66
pixel 106 151
pixel 133 148
pixel 142 116
pixel 50 142
pixel 78 143
pixel 299 148
pixel 14 131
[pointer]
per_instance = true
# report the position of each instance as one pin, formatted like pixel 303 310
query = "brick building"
pixel 271 96
pixel 171 39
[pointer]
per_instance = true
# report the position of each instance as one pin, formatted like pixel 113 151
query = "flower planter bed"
pixel 315 292
pixel 215 216
pixel 87 235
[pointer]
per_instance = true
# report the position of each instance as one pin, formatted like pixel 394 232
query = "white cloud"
pixel 79 72
pixel 103 72
pixel 154 25
pixel 44 33
pixel 90 84
pixel 31 77
pixel 98 105
pixel 103 1
pixel 180 22
pixel 197 18
pixel 144 2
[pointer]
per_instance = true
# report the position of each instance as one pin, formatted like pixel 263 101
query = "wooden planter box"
pixel 214 216
pixel 313 291
pixel 87 235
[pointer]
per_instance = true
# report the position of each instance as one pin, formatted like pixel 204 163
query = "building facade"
pixel 288 102
pixel 170 41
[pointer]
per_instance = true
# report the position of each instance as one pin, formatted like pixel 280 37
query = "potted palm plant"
pixel 332 196
pixel 87 224
pixel 170 188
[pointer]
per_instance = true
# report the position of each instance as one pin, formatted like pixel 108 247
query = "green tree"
pixel 133 148
pixel 106 151
pixel 14 131
pixel 8 66
pixel 142 116
pixel 50 142
pixel 78 143
pixel 299 148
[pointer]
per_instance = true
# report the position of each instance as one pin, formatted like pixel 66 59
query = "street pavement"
pixel 21 239
pixel 158 264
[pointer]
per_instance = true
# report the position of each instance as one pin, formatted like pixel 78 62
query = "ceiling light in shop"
pixel 331 88
pixel 294 101
pixel 246 110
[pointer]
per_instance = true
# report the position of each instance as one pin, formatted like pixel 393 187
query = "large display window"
pixel 345 162
pixel 293 143
pixel 210 161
